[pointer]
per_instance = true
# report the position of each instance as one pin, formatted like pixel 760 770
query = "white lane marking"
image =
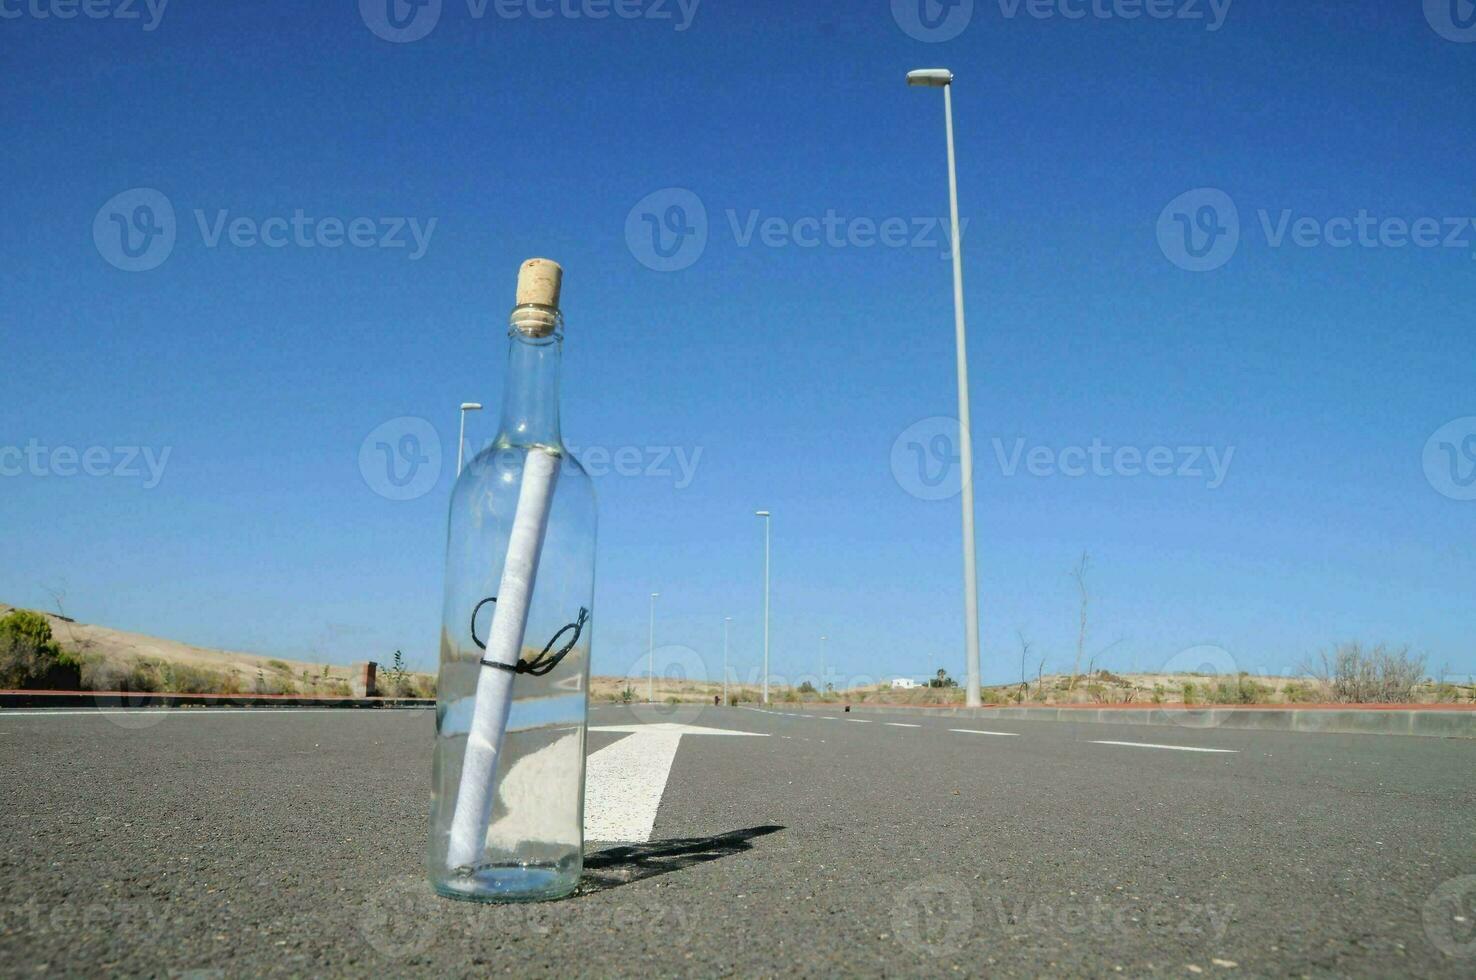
pixel 826 718
pixel 979 731
pixel 186 712
pixel 901 724
pixel 624 782
pixel 1154 745
pixel 864 721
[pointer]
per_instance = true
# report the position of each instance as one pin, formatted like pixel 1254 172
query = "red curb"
pixel 1156 707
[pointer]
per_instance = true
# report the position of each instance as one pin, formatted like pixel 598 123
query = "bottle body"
pixel 522 839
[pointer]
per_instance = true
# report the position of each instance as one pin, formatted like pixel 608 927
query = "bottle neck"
pixel 530 400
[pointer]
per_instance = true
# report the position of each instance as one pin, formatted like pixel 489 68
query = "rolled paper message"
pixel 478 787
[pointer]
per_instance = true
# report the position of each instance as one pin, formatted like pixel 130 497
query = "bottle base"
pixel 512 883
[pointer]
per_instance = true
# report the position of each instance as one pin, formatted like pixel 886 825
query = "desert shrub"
pixel 1241 690
pixel 1381 675
pixel 1158 694
pixel 789 695
pixel 1296 692
pixel 1190 692
pixel 189 679
pixel 807 688
pixel 279 666
pixel 989 695
pixel 30 658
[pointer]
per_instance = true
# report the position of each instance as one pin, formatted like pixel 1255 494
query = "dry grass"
pixel 117 660
pixel 1101 687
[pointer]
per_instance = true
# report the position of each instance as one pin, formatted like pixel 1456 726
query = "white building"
pixel 904 684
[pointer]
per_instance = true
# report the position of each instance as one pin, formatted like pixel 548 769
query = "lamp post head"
pixel 930 77
pixel 655 595
pixel 760 513
pixel 471 406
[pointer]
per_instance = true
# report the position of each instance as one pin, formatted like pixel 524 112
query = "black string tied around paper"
pixel 543 663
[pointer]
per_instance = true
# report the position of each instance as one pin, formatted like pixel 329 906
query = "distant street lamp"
pixel 726 621
pixel 943 78
pixel 766 515
pixel 651 654
pixel 461 439
pixel 822 663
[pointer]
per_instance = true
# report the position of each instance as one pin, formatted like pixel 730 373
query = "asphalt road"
pixel 261 842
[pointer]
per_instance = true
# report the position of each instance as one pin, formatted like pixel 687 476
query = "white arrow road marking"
pixel 1152 745
pixel 624 782
pixel 979 731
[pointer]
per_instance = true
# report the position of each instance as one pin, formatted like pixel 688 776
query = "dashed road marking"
pixel 901 724
pixel 979 731
pixel 1154 745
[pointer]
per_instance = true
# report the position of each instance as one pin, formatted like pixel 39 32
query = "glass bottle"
pixel 507 815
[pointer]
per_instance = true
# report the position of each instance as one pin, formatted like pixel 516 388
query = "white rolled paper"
pixel 478 786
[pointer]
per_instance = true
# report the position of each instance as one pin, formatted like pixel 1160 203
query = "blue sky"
pixel 1328 369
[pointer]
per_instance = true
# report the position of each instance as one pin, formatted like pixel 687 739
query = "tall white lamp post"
pixel 766 516
pixel 461 439
pixel 943 78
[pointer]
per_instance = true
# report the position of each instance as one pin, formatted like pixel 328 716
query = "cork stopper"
pixel 537 312
pixel 539 281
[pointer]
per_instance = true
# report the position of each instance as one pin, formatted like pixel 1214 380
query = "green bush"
pixel 1298 693
pixel 1189 692
pixel 30 658
pixel 1241 690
